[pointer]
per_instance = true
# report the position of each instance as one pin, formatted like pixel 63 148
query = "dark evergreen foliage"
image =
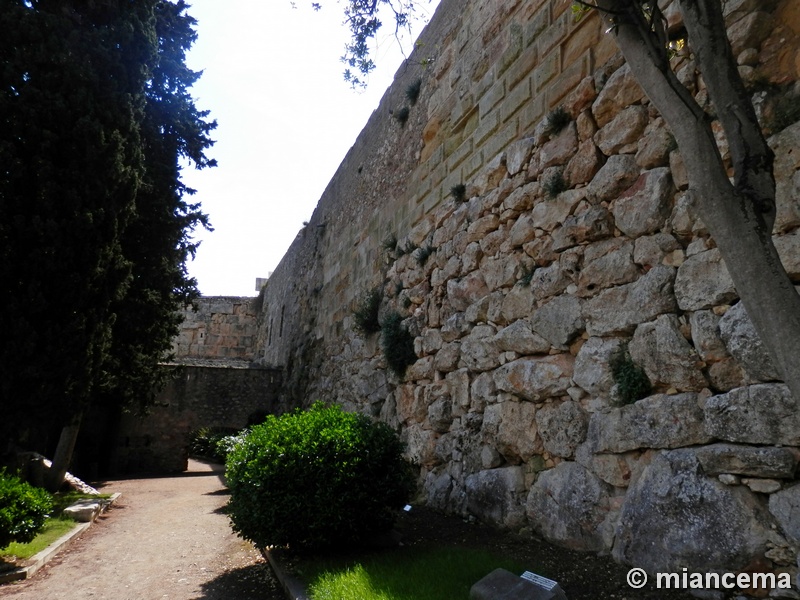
pixel 94 119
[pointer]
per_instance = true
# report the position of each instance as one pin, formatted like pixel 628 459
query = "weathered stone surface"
pixel 788 247
pixel 483 391
pixel 654 249
pixel 745 345
pixel 606 264
pixel 518 154
pixel 585 164
pixel 562 427
pixel 620 309
pixel 785 507
pixel 787 177
pixel 549 281
pixel 674 516
pixel 571 507
pixel 510 427
pixel 83 511
pixel 523 231
pixel 505 585
pixel 458 386
pixel 654 147
pixel 535 379
pixel 500 272
pixel 411 406
pixel 483 226
pixel 754 461
pixel 756 414
pixel 614 469
pixel 622 131
pixel 437 488
pixel 489 177
pixel 479 351
pixel 750 31
pixel 660 421
pixel 643 207
pixel 617 175
pixel 420 445
pixel 463 292
pixel 518 337
pixel 594 224
pixel 592 372
pixel 620 90
pixel 498 496
pixel 706 336
pixel 703 281
pixel 761 486
pixel 559 149
pixel 446 359
pixel 517 303
pixel 558 321
pixel 548 214
pixel 440 406
pixel 665 355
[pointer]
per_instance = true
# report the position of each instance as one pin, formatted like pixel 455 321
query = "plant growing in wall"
pixel 397 343
pixel 557 120
pixel 365 314
pixel 555 183
pixel 422 254
pixel 459 192
pixel 412 91
pixel 401 115
pixel 527 275
pixel 632 382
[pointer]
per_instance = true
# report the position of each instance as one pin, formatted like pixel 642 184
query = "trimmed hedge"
pixel 23 510
pixel 312 479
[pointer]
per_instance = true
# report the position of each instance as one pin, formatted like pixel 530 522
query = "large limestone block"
pixel 562 427
pixel 788 247
pixel 621 90
pixel 665 355
pixel 787 177
pixel 592 371
pixel 548 214
pixel 756 414
pixel 571 507
pixel 606 264
pixel 620 309
pixel 467 290
pixel 592 225
pixel 752 461
pixel 622 133
pixel 536 379
pixel 745 345
pixel 644 207
pixel 517 303
pixel 479 352
pixel 560 149
pixel 675 516
pixel 520 338
pixel 420 445
pixel 498 496
pixel 510 427
pixel 617 175
pixel 706 336
pixel 703 281
pixel 558 321
pixel 785 507
pixel 660 421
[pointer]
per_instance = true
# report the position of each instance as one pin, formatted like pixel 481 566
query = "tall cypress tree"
pixel 94 228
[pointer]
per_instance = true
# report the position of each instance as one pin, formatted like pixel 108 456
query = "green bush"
pixel 205 442
pixel 632 382
pixel 365 314
pixel 23 510
pixel 312 479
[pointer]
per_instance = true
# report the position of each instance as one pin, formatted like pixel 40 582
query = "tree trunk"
pixel 738 215
pixel 66 446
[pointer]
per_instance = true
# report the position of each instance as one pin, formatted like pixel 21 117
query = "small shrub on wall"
pixel 397 344
pixel 23 510
pixel 312 479
pixel 365 314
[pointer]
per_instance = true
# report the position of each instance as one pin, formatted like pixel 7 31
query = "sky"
pixel 272 79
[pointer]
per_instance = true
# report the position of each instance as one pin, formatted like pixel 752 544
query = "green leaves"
pixel 316 478
pixel 23 510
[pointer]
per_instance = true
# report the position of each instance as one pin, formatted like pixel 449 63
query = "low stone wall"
pixel 570 245
pixel 219 327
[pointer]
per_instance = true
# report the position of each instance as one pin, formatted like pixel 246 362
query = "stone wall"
pixel 574 248
pixel 218 327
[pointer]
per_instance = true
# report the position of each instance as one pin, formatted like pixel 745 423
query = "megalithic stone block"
pixel 504 585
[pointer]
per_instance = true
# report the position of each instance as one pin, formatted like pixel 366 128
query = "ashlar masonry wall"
pixel 574 240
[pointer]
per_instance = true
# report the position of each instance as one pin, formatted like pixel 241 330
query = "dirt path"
pixel 166 539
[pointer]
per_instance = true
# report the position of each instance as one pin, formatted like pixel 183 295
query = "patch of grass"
pixel 397 344
pixel 632 382
pixel 557 120
pixel 412 91
pixel 459 192
pixel 62 500
pixel 422 254
pixel 53 529
pixel 527 275
pixel 366 312
pixel 555 184
pixel 403 574
pixel 401 115
pixel 390 243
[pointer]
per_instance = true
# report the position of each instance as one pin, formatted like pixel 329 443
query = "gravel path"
pixel 165 539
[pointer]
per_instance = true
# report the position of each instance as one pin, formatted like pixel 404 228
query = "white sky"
pixel 273 81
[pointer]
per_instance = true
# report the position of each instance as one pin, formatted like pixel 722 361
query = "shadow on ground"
pixel 254 582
